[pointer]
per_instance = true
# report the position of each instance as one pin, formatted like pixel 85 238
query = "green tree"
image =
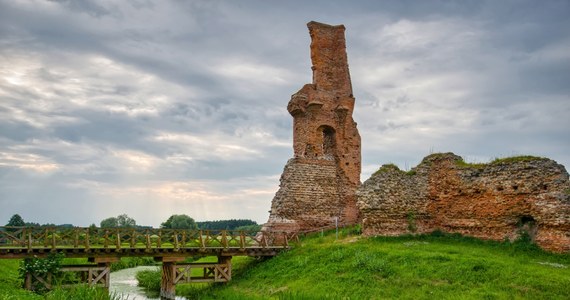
pixel 126 221
pixel 120 221
pixel 179 222
pixel 16 220
pixel 110 222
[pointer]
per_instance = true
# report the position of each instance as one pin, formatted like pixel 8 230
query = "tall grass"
pixel 79 292
pixel 149 279
pixel 83 292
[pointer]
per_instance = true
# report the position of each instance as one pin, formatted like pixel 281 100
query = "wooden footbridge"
pixel 102 246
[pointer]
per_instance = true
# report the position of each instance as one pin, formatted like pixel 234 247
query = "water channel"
pixel 124 283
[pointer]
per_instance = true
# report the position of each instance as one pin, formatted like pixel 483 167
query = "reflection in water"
pixel 124 283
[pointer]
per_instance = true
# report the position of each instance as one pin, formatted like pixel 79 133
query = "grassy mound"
pixel 435 266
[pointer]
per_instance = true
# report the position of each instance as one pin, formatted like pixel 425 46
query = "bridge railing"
pixel 137 238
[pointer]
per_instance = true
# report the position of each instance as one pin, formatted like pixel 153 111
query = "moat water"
pixel 124 283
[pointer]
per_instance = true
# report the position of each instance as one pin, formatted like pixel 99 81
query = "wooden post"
pixel 224 239
pixel 118 242
pixel 223 271
pixel 75 238
pixel 29 240
pixel 106 274
pixel 106 241
pixel 53 243
pixel 167 285
pixel 87 238
pixel 133 238
pixel 46 240
pixel 202 244
pixel 242 240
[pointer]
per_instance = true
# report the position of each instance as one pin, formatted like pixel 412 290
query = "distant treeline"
pixel 33 224
pixel 174 222
pixel 233 224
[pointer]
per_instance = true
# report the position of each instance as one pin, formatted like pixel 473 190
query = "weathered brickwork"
pixel 495 201
pixel 320 182
pixel 498 201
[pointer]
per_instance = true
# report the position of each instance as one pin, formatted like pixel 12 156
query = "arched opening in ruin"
pixel 328 141
pixel 527 227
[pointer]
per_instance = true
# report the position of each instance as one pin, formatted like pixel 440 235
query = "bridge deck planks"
pixel 22 242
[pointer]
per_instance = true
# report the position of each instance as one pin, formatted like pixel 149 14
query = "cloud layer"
pixel 154 108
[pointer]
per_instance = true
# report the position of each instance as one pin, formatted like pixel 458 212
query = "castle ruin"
pixel 319 183
pixel 501 200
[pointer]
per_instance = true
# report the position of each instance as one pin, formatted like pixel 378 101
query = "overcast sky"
pixel 154 108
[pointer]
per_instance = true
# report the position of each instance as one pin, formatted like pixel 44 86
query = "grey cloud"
pixel 213 79
pixel 85 6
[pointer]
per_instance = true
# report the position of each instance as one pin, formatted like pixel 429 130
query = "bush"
pixel 41 267
pixel 149 279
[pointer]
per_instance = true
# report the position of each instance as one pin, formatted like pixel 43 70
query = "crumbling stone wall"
pixel 320 182
pixel 495 201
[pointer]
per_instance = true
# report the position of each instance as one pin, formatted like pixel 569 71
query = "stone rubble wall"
pixel 491 201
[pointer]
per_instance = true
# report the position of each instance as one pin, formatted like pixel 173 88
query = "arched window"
pixel 329 141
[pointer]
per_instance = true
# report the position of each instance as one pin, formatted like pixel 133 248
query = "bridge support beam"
pixel 104 276
pixel 225 272
pixel 168 283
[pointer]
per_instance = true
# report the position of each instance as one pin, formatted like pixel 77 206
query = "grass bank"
pixel 11 284
pixel 424 267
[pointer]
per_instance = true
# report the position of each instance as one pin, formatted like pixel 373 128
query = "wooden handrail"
pixel 54 238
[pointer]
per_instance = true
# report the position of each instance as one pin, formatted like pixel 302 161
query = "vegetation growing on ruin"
pixel 463 164
pixel 390 167
pixel 513 159
pixel 387 168
pixel 411 218
pixel 496 161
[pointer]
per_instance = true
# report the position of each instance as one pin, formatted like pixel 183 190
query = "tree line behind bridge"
pixel 181 221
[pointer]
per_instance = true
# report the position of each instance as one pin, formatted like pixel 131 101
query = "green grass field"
pixel 11 285
pixel 424 267
pixel 353 267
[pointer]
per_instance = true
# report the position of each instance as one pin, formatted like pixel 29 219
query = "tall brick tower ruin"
pixel 319 184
